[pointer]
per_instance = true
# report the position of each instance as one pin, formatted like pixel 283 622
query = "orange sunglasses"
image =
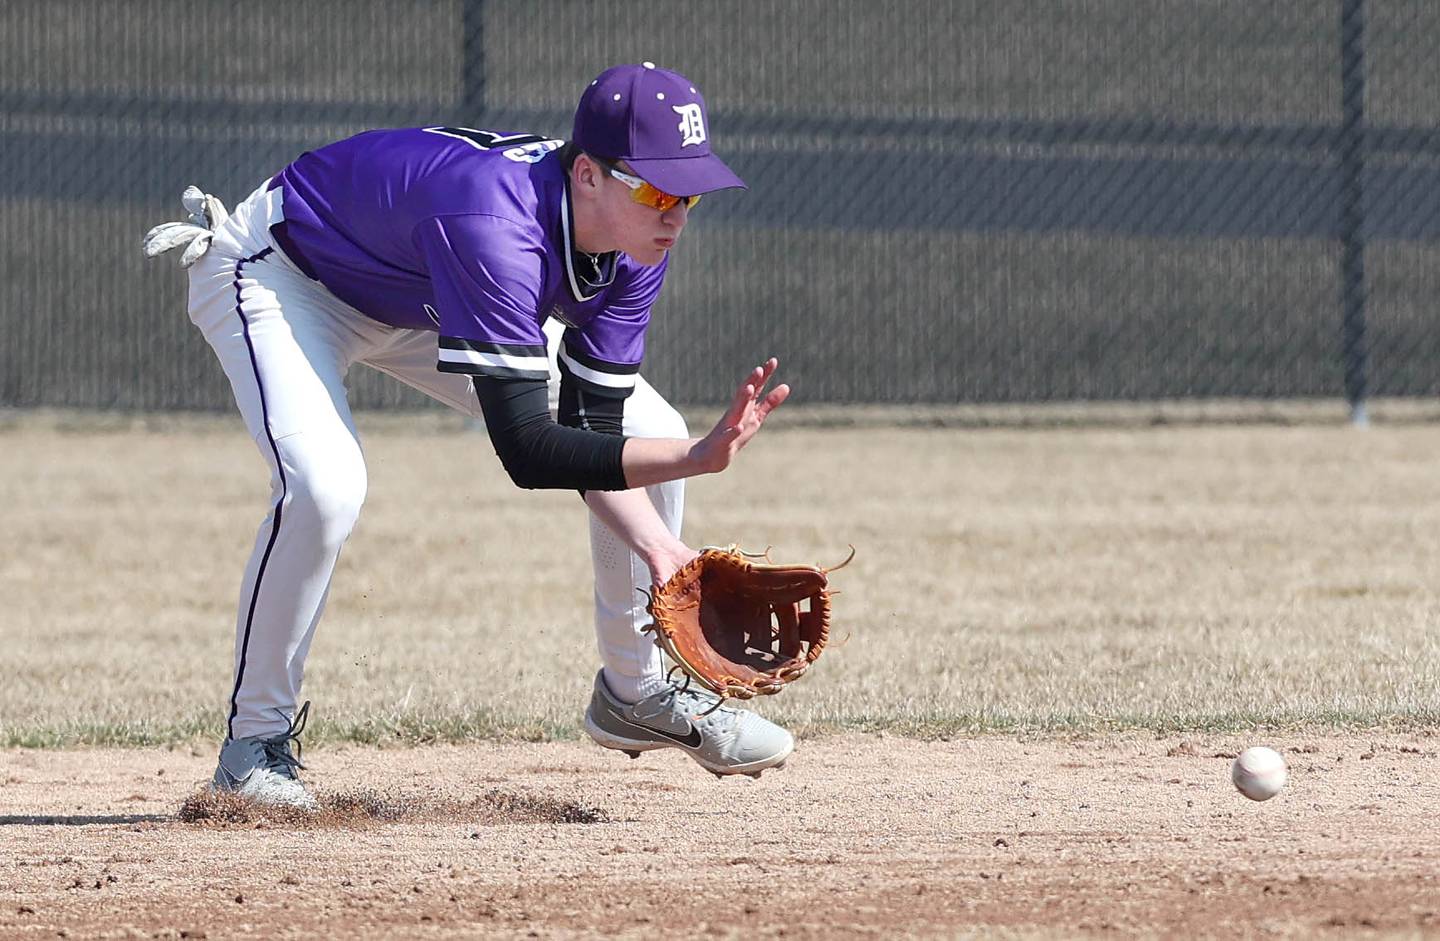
pixel 647 195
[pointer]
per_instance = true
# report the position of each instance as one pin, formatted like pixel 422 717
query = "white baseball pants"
pixel 285 342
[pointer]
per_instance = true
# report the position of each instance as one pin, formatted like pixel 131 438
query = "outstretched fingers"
pixel 767 403
pixel 772 401
pixel 760 376
pixel 750 391
pixel 743 397
pixel 766 371
pixel 747 411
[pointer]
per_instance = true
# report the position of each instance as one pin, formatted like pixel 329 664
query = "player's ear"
pixel 585 174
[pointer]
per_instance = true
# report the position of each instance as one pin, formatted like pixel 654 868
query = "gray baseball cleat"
pixel 264 769
pixel 724 740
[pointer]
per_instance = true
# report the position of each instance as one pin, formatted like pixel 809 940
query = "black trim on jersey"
pixel 492 372
pixel 599 390
pixel 539 454
pixel 497 360
pixel 279 503
pixel 481 346
pixel 486 140
pixel 602 365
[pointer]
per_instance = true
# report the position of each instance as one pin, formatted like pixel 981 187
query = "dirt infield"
pixel 857 836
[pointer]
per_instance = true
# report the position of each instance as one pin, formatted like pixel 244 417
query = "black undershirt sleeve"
pixel 581 409
pixel 537 453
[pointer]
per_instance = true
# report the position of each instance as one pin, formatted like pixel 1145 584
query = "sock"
pixel 632 689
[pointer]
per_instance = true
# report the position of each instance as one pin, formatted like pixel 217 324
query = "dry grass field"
pixel 1057 635
pixel 1065 578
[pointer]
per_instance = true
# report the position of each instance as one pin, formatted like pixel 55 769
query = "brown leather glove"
pixel 743 628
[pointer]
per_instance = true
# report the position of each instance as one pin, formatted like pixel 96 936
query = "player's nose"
pixel 676 216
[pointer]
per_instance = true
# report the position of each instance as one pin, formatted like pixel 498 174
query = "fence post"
pixel 472 62
pixel 1352 204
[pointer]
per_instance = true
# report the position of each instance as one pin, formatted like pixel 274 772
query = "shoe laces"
pixel 683 693
pixel 278 756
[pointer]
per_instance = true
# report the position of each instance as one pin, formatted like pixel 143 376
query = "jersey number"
pixel 522 148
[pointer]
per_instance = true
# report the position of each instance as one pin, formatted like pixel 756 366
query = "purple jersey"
pixel 467 233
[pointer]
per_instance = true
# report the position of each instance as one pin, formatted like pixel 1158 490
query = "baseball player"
pixel 505 275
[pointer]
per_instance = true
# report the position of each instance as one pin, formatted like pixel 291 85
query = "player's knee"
pixel 329 500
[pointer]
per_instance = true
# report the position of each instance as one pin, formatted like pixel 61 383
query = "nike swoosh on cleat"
pixel 692 740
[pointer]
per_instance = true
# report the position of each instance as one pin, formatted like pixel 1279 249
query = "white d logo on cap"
pixel 692 124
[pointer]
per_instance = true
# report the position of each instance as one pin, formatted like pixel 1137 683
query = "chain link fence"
pixel 951 201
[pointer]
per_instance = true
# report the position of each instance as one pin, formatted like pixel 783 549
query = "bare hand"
pixel 667 562
pixel 747 412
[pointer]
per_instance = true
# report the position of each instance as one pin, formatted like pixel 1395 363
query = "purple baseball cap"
pixel 655 121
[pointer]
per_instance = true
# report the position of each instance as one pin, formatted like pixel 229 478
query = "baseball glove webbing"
pixel 742 628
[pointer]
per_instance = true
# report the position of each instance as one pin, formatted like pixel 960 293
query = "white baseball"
pixel 1259 773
